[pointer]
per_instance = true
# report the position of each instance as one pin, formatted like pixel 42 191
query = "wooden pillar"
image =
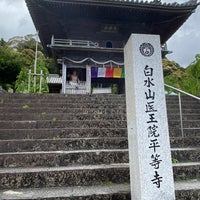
pixel 64 76
pixel 88 79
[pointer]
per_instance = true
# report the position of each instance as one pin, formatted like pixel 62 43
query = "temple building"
pixel 87 37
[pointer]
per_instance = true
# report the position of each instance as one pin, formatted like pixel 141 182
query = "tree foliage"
pixel 22 79
pixel 19 43
pixel 187 79
pixel 10 65
pixel 171 67
pixel 191 78
pixel 17 57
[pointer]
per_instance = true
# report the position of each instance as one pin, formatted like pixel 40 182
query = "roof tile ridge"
pixel 159 2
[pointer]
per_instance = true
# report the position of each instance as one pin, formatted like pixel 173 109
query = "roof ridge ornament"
pixel 157 1
pixel 192 2
pixel 187 3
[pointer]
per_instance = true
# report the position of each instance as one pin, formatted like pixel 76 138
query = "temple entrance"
pixel 90 76
pixel 76 80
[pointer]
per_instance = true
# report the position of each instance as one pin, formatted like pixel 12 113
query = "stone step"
pixel 81 99
pixel 56 133
pixel 183 106
pixel 63 158
pixel 63 176
pixel 187 109
pixel 184 190
pixel 187 132
pixel 66 105
pixel 189 189
pixel 98 100
pixel 186 171
pixel 186 123
pixel 97 123
pixel 54 123
pixel 68 144
pixel 60 116
pixel 191 132
pixel 101 110
pixel 186 142
pixel 15 178
pixel 52 98
pixel 42 152
pixel 68 132
pixel 185 117
pixel 82 104
pixel 47 97
pixel 80 116
pixel 52 110
pixel 183 99
pixel 185 154
pixel 60 102
pixel 83 157
pixel 78 103
pixel 103 192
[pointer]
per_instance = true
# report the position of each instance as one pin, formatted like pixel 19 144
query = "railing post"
pixel 52 40
pixel 41 77
pixel 29 80
pixel 181 113
pixel 64 76
pixel 35 64
pixel 88 79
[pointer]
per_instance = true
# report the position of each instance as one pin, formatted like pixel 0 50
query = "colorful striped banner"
pixel 109 72
pixel 101 72
pixel 94 72
pixel 117 73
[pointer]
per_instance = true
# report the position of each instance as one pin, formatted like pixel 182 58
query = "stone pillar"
pixel 149 147
pixel 88 79
pixel 64 77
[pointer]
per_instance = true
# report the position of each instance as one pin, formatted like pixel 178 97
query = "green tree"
pixel 2 42
pixel 11 63
pixel 171 68
pixel 17 57
pixel 172 74
pixel 191 78
pixel 187 80
pixel 20 43
pixel 22 79
pixel 51 65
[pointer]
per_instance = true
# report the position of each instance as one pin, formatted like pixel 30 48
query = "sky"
pixel 15 20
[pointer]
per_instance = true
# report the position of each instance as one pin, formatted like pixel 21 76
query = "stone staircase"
pixel 75 147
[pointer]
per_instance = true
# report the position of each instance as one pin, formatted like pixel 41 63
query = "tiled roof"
pixel 133 2
pixel 52 17
pixel 156 2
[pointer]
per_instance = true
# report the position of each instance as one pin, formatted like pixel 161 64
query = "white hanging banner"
pixel 101 72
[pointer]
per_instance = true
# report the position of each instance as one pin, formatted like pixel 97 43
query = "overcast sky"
pixel 185 43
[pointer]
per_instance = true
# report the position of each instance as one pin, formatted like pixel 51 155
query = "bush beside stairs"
pixel 75 147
